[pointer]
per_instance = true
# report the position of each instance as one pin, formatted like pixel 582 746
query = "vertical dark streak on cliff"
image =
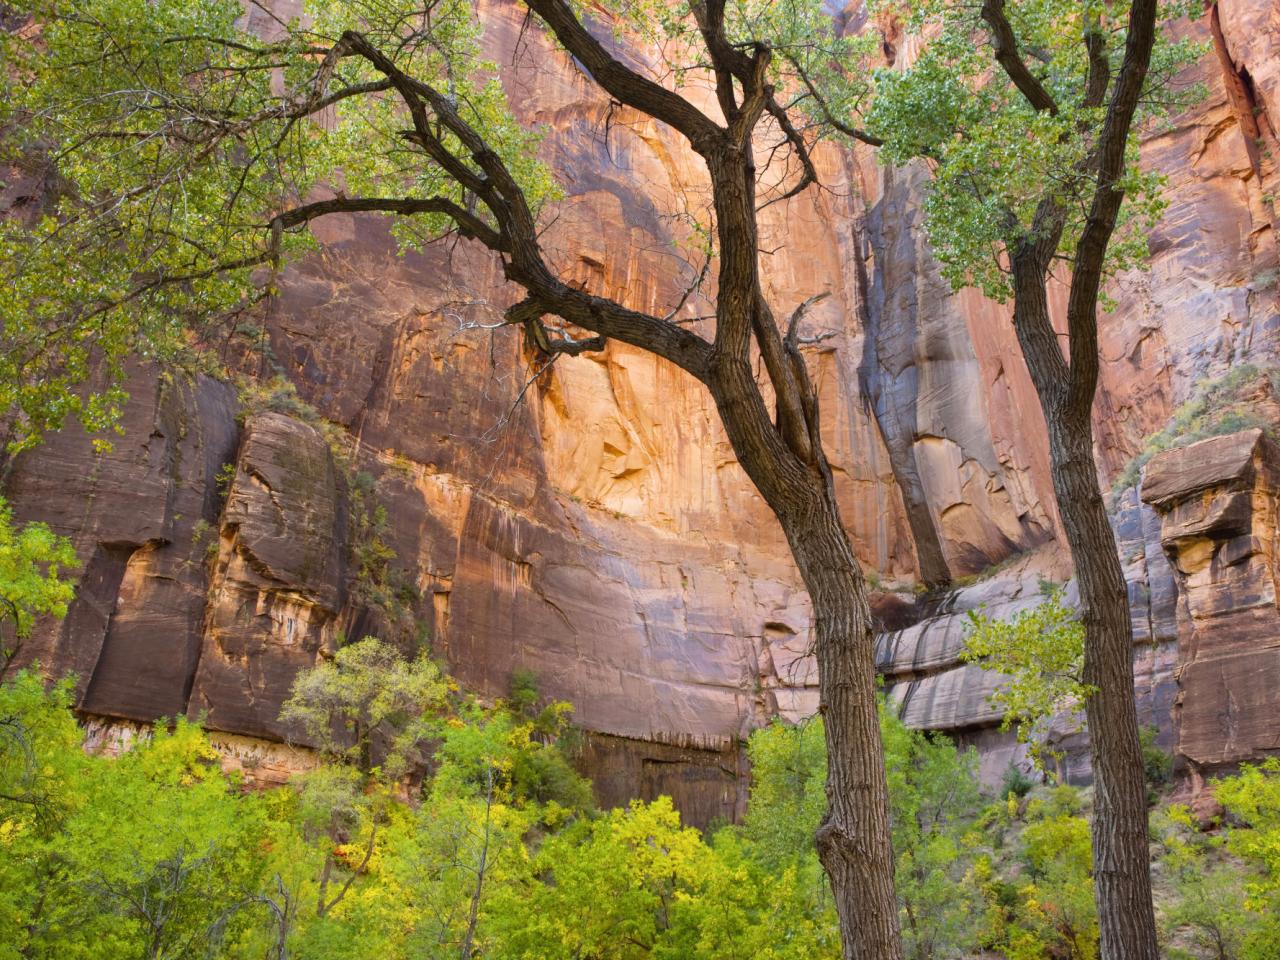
pixel 934 571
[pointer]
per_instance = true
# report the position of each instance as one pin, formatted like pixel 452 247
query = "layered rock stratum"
pixel 588 520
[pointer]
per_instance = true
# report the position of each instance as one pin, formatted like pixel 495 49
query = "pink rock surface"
pixel 591 523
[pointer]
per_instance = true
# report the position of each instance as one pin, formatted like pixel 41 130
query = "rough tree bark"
pixel 1121 856
pixel 854 838
pixel 1066 385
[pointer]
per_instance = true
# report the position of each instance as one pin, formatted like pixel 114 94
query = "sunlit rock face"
pixel 589 520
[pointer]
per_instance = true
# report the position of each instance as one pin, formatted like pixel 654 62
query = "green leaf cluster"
pixel 34 562
pixel 995 158
pixel 1225 876
pixel 369 706
pixel 149 854
pixel 162 136
pixel 1037 883
pixel 1040 652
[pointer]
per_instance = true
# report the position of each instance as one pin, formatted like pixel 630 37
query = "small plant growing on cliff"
pixel 276 395
pixel 1218 406
pixel 1157 762
pixel 223 479
pixel 376 581
pixel 1041 653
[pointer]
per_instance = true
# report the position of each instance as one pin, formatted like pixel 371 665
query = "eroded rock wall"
pixel 590 522
pixel 1219 505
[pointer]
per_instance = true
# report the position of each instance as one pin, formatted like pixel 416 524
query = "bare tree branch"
pixel 517 237
pixel 623 83
pixel 1006 51
pixel 468 224
pixel 793 327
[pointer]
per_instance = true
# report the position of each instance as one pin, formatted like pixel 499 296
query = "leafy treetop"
pixel 1008 104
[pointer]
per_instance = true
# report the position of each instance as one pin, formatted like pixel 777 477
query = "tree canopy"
pixel 1008 104
pixel 177 157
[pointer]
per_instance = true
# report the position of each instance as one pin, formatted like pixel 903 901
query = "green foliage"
pixel 996 157
pixel 933 803
pixel 275 394
pixel 788 791
pixel 38 759
pixel 1226 404
pixel 1058 905
pixel 1038 885
pixel 1207 915
pixel 465 846
pixel 1041 652
pixel 610 886
pixel 151 854
pixel 635 883
pixel 523 693
pixel 369 706
pixel 933 789
pixel 519 758
pixel 168 137
pixel 1157 763
pixel 33 563
pixel 1015 783
pixel 815 62
pixel 157 853
pixel 1226 883
pixel 166 134
pixel 1253 799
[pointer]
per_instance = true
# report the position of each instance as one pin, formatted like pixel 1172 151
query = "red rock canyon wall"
pixel 600 531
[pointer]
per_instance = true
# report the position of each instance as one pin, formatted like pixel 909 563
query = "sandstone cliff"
pixel 590 523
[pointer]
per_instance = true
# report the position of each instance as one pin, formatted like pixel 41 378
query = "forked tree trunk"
pixel 777 441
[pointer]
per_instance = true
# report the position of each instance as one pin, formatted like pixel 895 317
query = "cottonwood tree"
pixel 1040 654
pixel 1029 113
pixel 181 153
pixel 369 713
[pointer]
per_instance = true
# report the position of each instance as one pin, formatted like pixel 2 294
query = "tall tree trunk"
pixel 1121 855
pixel 854 841
pixel 1121 852
pixel 854 838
